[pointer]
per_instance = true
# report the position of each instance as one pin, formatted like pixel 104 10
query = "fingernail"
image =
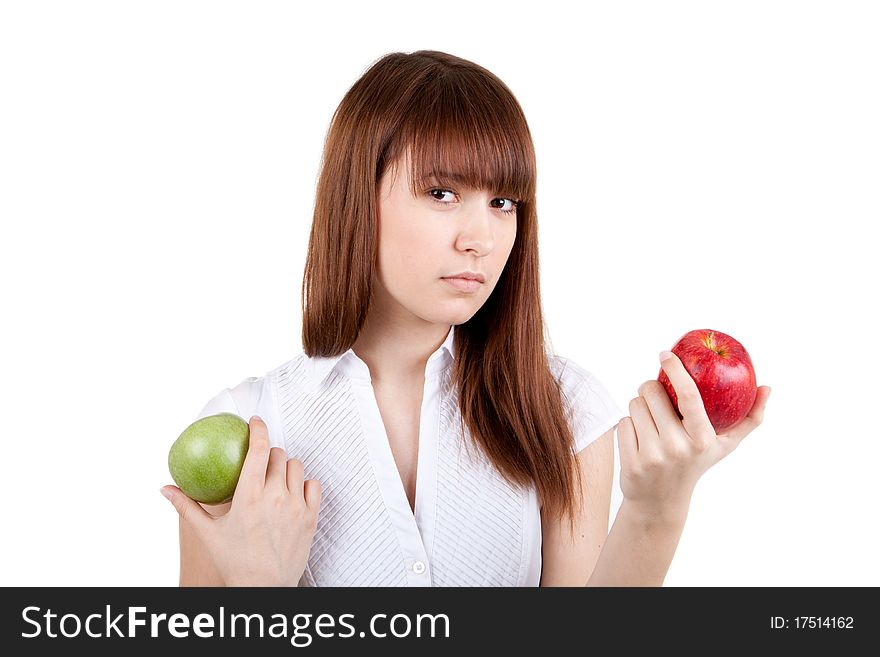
pixel 165 492
pixel 257 417
pixel 664 355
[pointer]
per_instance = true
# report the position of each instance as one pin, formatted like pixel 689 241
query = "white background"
pixel 701 165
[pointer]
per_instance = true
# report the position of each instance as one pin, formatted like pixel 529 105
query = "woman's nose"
pixel 475 230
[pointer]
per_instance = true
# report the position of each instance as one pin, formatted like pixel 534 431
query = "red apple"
pixel 723 372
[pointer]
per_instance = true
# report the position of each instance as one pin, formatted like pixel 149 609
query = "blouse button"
pixel 419 567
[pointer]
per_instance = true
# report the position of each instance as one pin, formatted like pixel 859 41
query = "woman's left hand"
pixel 661 456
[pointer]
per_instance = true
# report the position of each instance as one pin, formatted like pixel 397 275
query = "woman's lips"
pixel 464 284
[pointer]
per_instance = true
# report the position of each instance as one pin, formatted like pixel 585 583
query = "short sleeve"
pixel 253 396
pixel 593 412
pixel 593 409
pixel 222 402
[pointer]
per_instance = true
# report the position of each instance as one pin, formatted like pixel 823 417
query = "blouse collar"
pixel 320 367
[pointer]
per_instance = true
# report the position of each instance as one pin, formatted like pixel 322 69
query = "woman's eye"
pixel 513 205
pixel 441 192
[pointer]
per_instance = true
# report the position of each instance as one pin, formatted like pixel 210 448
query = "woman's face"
pixel 435 234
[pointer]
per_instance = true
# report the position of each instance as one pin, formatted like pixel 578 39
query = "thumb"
pixel 189 510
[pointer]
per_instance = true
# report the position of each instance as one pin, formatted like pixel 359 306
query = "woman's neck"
pixel 397 353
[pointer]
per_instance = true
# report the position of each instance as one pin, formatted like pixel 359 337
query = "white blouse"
pixel 470 528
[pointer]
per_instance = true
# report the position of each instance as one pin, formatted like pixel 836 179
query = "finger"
pixel 666 419
pixel 627 443
pixel 751 421
pixel 276 471
pixel 253 471
pixel 189 510
pixel 295 477
pixel 313 494
pixel 690 402
pixel 646 430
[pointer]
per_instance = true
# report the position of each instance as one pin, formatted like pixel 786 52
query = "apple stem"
pixel 709 341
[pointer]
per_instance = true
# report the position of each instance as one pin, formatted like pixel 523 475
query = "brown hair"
pixel 462 123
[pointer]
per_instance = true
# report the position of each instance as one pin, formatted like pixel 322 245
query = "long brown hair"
pixel 459 121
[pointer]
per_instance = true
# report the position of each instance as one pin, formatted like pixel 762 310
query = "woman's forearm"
pixel 639 548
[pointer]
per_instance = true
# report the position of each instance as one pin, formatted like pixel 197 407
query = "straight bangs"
pixel 466 135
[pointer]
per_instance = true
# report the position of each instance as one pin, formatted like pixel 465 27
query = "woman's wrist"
pixel 668 511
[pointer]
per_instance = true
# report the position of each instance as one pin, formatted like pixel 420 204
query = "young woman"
pixel 425 436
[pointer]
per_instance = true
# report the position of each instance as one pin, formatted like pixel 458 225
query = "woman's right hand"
pixel 265 538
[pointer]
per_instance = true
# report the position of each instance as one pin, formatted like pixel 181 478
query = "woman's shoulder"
pixel 570 374
pixel 594 406
pixel 255 395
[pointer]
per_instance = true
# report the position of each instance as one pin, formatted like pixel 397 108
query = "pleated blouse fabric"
pixel 470 528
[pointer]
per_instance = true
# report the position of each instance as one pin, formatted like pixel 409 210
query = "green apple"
pixel 206 459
